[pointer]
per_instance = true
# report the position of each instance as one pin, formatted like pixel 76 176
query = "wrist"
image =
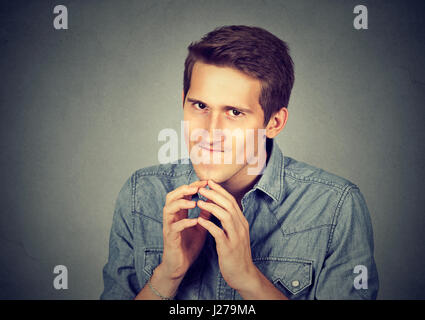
pixel 164 283
pixel 252 283
pixel 172 272
pixel 258 286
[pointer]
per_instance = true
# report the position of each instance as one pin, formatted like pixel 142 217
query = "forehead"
pixel 224 86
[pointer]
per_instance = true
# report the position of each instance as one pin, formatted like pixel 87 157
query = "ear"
pixel 277 122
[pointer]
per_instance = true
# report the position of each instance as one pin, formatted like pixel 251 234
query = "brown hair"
pixel 251 50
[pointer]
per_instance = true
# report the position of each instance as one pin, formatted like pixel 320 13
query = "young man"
pixel 218 227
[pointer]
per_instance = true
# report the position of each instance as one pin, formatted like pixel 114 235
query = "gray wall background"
pixel 81 110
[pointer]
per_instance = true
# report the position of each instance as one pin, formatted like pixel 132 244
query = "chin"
pixel 209 172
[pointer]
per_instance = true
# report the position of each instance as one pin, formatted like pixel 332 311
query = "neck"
pixel 242 182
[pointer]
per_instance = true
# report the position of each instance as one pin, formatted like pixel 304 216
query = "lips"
pixel 209 148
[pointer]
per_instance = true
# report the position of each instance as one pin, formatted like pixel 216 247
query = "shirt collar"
pixel 271 181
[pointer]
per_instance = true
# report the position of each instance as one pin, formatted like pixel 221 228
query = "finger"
pixel 225 218
pixel 172 208
pixel 216 187
pixel 180 192
pixel 205 214
pixel 218 199
pixel 216 232
pixel 199 183
pixel 180 225
pixel 174 232
pixel 223 202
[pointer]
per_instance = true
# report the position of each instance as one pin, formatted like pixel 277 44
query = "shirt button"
pixel 295 283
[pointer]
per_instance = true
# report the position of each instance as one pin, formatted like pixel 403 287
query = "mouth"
pixel 210 149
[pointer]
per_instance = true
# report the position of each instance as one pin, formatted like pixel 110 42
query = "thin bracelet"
pixel 157 293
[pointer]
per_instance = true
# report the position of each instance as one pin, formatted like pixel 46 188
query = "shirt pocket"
pixel 291 276
pixel 146 260
pixel 151 259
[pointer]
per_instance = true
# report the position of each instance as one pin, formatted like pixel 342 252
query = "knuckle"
pixel 165 213
pixel 172 229
pixel 176 205
pixel 166 233
pixel 222 235
pixel 227 218
pixel 245 222
pixel 245 232
pixel 206 205
pixel 228 204
pixel 182 203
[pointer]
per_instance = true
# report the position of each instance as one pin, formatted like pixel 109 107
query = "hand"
pixel 232 242
pixel 183 237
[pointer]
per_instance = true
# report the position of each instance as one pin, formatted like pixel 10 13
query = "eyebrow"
pixel 244 109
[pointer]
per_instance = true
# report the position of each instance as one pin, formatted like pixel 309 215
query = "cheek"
pixel 196 127
pixel 192 117
pixel 236 142
pixel 246 142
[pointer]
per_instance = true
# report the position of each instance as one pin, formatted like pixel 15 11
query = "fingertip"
pixel 200 182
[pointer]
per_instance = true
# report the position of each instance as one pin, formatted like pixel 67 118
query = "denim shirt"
pixel 309 229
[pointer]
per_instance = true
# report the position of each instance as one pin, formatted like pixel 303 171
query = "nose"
pixel 215 129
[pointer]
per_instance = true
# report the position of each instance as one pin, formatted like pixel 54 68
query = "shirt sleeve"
pixel 119 275
pixel 349 270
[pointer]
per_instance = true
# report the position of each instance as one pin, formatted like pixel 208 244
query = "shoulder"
pixel 319 182
pixel 298 172
pixel 315 196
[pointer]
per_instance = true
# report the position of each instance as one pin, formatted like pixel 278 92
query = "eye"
pixel 200 105
pixel 235 113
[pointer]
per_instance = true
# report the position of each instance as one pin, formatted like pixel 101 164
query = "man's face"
pixel 222 98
